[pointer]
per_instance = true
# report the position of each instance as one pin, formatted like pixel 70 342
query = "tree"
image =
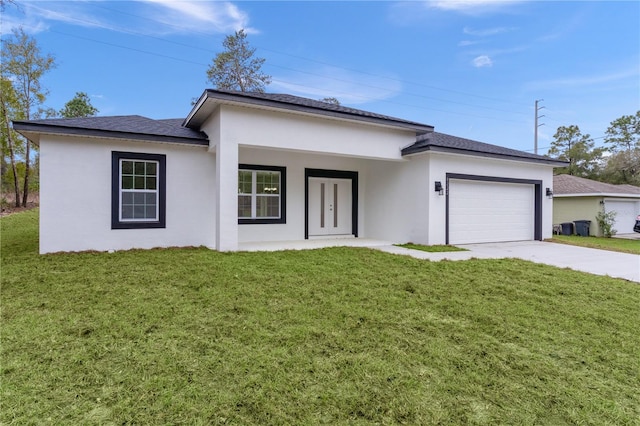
pixel 10 139
pixel 79 106
pixel 624 133
pixel 331 100
pixel 4 3
pixel 623 166
pixel 571 145
pixel 22 67
pixel 236 68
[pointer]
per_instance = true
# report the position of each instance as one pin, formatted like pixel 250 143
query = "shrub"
pixel 605 221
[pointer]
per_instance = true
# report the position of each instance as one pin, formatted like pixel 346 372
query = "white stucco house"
pixel 252 167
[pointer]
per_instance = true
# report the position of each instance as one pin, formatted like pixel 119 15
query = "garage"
pixel 576 198
pixel 497 210
pixel 626 213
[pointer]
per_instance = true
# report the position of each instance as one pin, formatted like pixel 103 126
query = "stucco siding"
pixel 278 130
pixel 397 201
pixel 75 196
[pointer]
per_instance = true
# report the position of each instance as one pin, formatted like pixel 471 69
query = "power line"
pixel 288 83
pixel 128 48
pixel 325 63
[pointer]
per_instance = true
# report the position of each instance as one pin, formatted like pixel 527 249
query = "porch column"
pixel 227 196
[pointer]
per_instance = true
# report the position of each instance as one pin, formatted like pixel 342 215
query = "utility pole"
pixel 536 125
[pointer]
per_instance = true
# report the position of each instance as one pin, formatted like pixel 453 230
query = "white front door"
pixel 330 207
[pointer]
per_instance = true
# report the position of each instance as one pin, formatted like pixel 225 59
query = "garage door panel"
pixel 490 212
pixel 626 212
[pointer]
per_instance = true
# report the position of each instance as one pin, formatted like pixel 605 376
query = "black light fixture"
pixel 439 189
pixel 549 193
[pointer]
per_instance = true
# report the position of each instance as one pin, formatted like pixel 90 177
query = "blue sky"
pixel 471 68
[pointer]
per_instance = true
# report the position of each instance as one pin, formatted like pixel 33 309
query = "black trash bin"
pixel 582 227
pixel 567 228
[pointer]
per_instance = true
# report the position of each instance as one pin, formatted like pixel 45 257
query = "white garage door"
pixel 482 212
pixel 626 212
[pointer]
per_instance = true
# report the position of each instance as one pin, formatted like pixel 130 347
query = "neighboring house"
pixel 248 167
pixel 577 198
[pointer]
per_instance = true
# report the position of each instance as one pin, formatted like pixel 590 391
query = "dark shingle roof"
pixel 568 184
pixel 446 143
pixel 300 104
pixel 121 127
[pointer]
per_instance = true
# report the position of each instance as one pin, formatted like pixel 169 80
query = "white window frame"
pixel 139 191
pixel 117 221
pixel 254 170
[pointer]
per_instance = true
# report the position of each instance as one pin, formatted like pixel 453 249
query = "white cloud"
pixel 217 16
pixel 152 17
pixel 350 88
pixel 470 5
pixel 29 25
pixel 465 43
pixel 482 61
pixel 487 32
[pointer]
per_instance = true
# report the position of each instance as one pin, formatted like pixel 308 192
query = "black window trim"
pixel 116 223
pixel 283 195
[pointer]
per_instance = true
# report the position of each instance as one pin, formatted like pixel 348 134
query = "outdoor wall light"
pixel 549 193
pixel 439 188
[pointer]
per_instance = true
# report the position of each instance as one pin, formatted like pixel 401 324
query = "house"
pixel 253 167
pixel 577 198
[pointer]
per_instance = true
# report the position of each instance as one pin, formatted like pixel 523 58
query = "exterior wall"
pixel 279 130
pixel 397 200
pixel 440 164
pixel 568 209
pixel 75 196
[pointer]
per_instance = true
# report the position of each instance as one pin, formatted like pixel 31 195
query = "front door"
pixel 330 204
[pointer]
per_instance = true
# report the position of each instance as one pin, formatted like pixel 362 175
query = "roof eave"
pixel 32 131
pixel 595 194
pixel 433 148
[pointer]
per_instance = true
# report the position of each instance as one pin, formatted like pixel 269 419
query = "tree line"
pixel 617 162
pixel 22 98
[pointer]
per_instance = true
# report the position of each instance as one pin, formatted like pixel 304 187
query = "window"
pixel 261 194
pixel 138 190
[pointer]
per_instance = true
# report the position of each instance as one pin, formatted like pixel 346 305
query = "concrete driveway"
pixel 593 261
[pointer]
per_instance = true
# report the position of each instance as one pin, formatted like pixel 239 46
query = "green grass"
pixel 431 249
pixel 612 244
pixel 332 336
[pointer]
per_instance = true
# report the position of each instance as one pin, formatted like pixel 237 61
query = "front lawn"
pixel 332 336
pixel 612 244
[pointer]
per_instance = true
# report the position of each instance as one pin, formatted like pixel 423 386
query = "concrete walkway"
pixel 593 261
pixel 599 262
